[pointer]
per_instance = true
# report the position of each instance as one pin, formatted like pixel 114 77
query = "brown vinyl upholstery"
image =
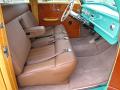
pixel 29 64
pixel 34 32
pixel 19 45
pixel 11 11
pixel 27 20
pixel 43 42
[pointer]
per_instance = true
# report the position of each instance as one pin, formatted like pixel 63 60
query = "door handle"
pixel 51 19
pixel 2 25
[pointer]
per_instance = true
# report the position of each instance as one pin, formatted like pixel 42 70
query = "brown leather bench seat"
pixel 37 61
pixel 49 64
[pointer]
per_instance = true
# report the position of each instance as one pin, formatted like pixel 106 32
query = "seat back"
pixel 19 45
pixel 11 11
pixel 27 20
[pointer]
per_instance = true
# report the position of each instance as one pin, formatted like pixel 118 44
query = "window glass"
pixel 108 2
pixel 14 1
pixel 77 1
pixel 52 0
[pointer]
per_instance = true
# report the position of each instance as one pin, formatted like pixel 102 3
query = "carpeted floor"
pixel 91 71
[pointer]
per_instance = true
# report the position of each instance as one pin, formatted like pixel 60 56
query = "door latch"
pixel 6 52
pixel 1 25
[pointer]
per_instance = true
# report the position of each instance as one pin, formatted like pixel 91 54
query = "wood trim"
pixel 2 83
pixel 6 62
pixel 34 8
pixel 55 11
pixel 72 27
pixel 114 83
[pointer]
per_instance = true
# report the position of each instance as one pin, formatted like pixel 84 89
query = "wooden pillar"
pixel 7 75
pixel 34 8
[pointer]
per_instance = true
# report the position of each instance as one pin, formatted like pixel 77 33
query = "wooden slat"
pixel 34 8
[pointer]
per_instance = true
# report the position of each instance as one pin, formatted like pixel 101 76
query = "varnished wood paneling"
pixel 51 11
pixel 115 79
pixel 34 8
pixel 55 11
pixel 72 26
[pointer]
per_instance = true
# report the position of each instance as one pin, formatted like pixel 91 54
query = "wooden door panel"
pixel 51 11
pixel 50 14
pixel 115 79
pixel 72 26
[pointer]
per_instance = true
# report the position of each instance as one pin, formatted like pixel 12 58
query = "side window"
pixel 14 1
pixel 56 1
pixel 52 0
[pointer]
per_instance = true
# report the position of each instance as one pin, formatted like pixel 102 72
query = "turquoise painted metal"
pixel 118 5
pixel 104 19
pixel 99 88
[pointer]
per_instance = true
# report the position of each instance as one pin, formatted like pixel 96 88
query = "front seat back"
pixel 27 20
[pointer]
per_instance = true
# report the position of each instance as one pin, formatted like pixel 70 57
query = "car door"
pixel 7 76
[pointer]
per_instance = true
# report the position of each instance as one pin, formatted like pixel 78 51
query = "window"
pixel 108 2
pixel 40 1
pixel 52 0
pixel 14 1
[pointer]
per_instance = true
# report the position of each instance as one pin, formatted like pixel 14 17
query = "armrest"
pixel 34 32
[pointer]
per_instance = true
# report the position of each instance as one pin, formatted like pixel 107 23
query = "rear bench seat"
pixel 41 65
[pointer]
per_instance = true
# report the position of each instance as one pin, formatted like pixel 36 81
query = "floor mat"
pixel 90 71
pixel 83 47
pixel 93 70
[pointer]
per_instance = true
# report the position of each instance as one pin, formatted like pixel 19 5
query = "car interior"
pixel 46 57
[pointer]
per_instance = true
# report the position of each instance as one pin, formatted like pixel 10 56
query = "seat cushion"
pixel 38 54
pixel 42 42
pixel 35 32
pixel 45 73
pixel 60 29
pixel 56 70
pixel 66 57
pixel 49 32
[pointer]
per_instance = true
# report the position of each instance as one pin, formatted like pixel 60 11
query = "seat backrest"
pixel 28 20
pixel 11 11
pixel 19 45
